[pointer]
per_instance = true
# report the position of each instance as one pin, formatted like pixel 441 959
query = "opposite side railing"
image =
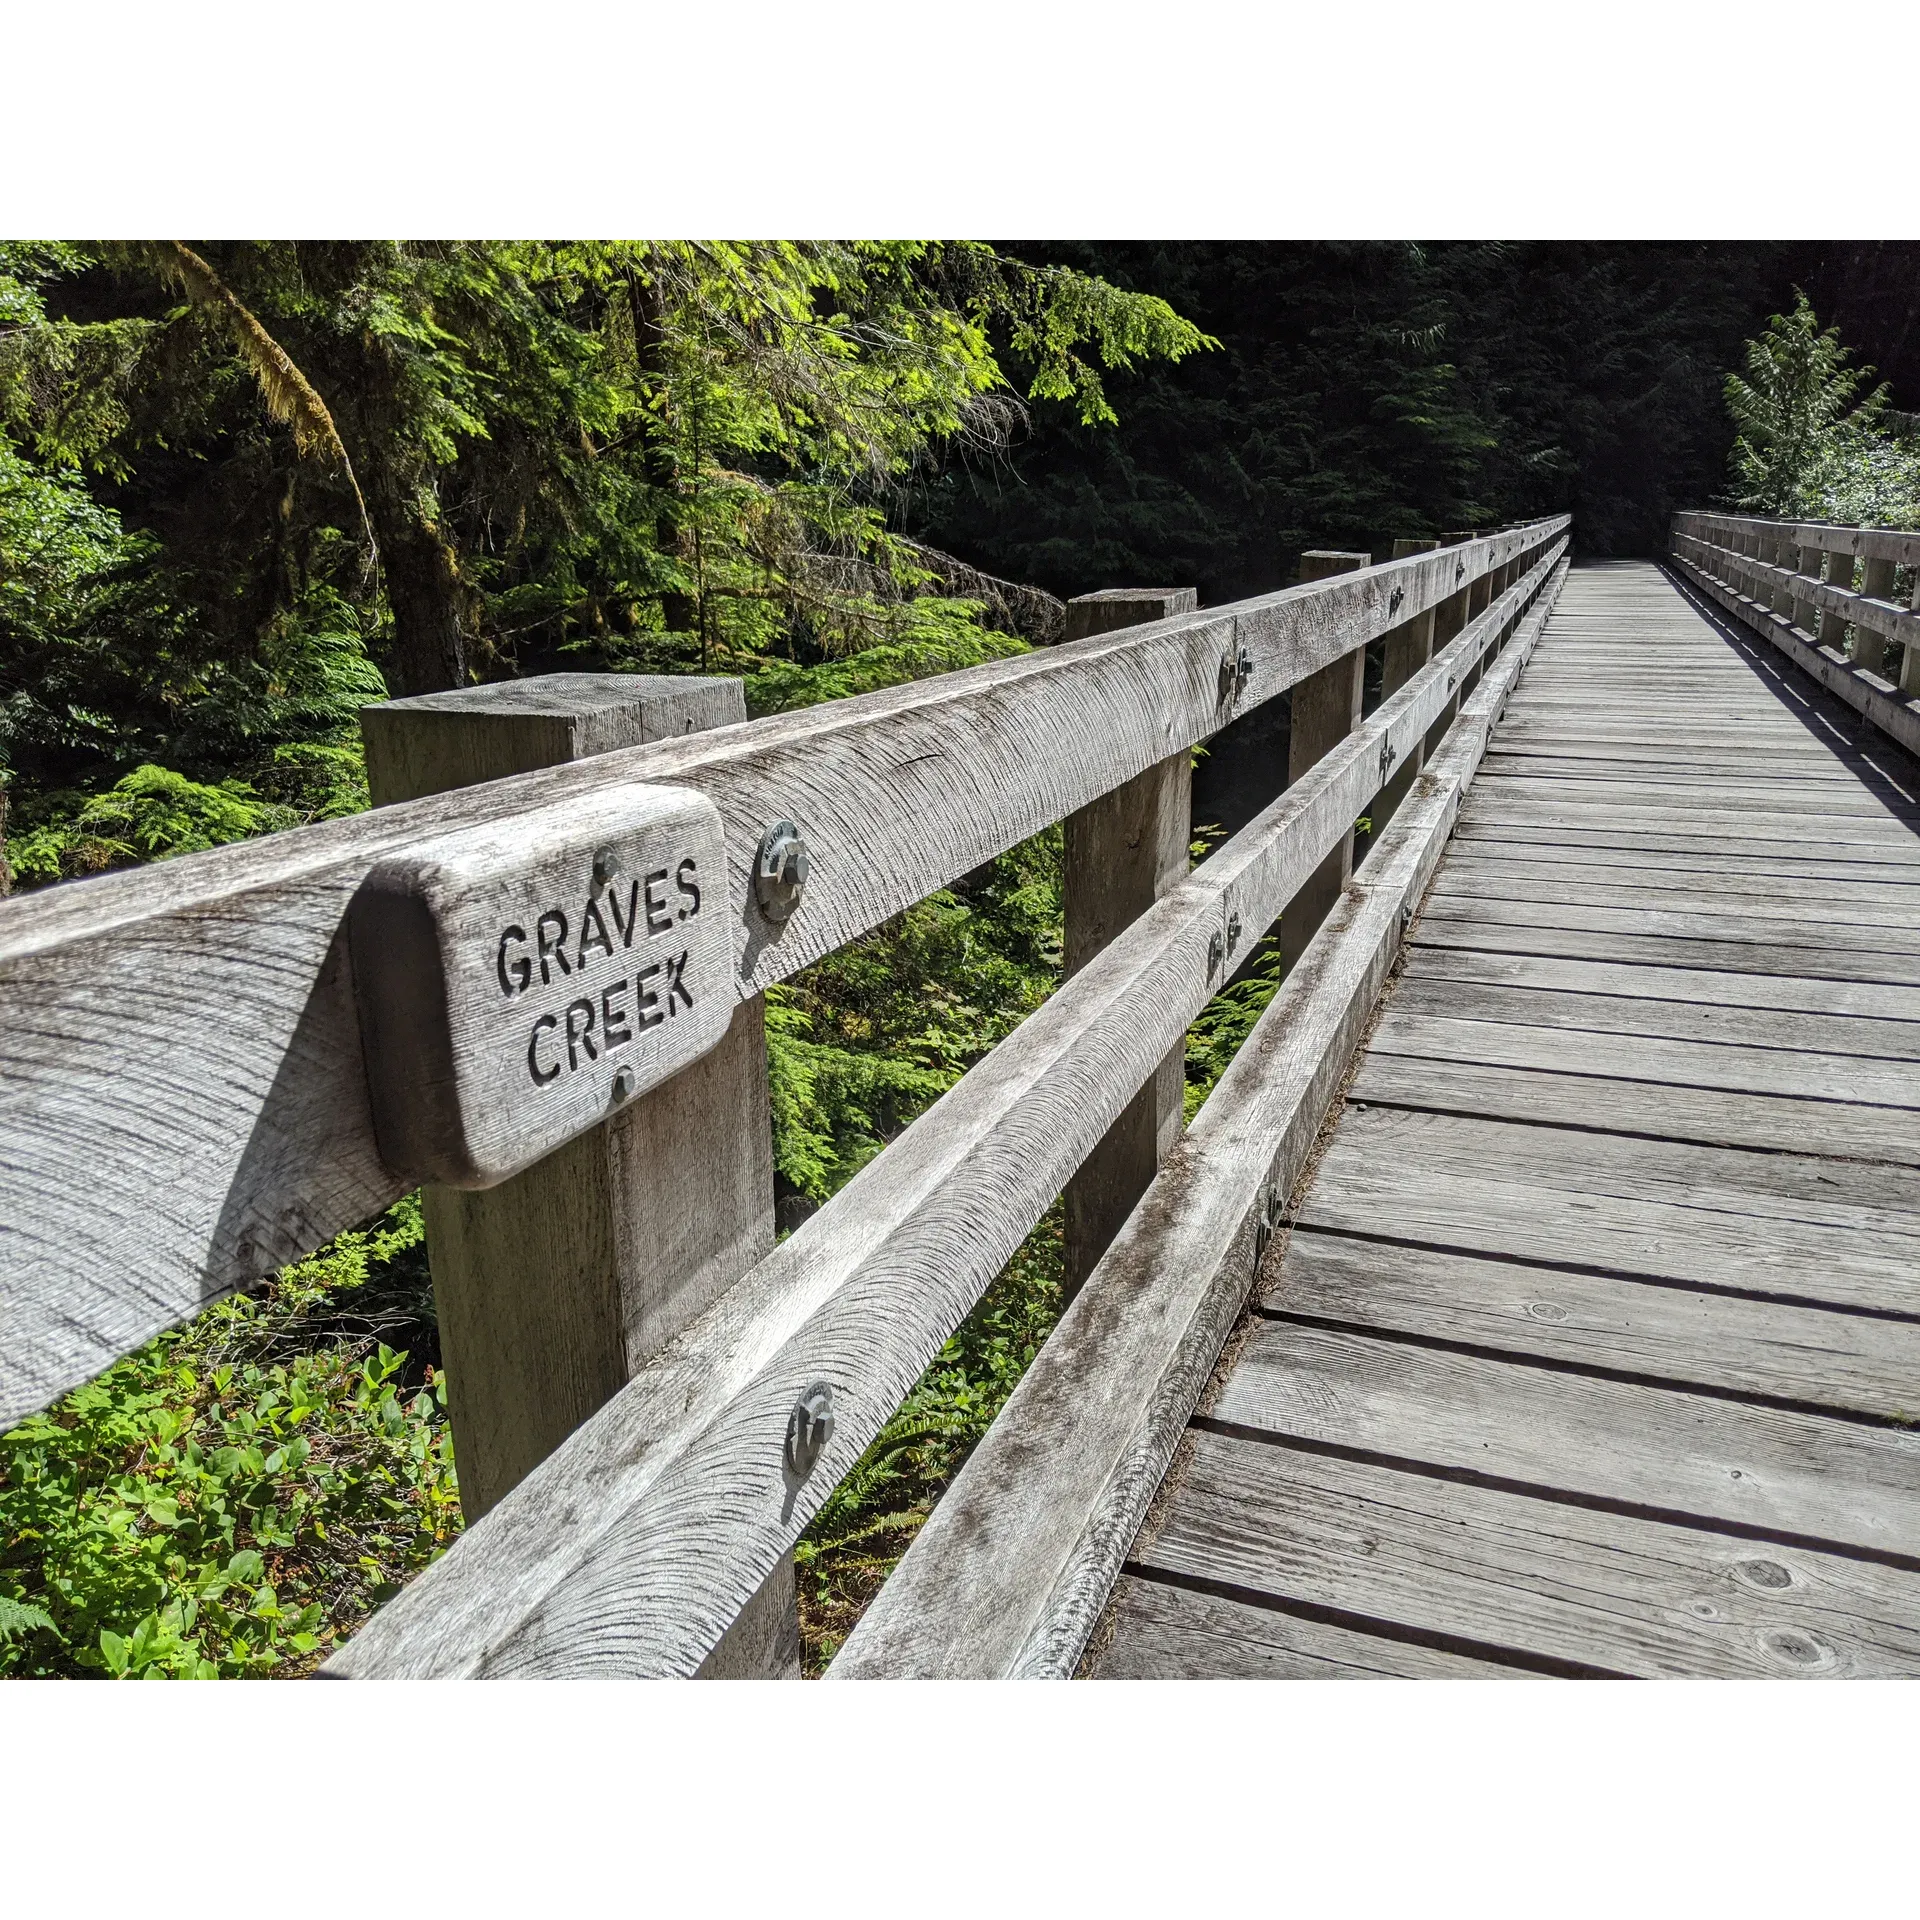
pixel 1825 595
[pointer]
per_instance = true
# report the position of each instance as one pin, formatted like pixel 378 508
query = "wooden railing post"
pixel 556 1286
pixel 1325 709
pixel 1806 560
pixel 1479 598
pixel 1449 620
pixel 1781 553
pixel 1833 626
pixel 1122 852
pixel 1910 651
pixel 1408 648
pixel 1870 649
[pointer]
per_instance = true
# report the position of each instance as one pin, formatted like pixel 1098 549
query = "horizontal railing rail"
pixel 635 1545
pixel 184 1091
pixel 1010 1574
pixel 1826 596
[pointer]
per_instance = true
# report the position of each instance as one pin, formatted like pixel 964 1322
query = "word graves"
pixel 519 982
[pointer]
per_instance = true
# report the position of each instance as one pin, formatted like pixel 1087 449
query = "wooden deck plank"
pixel 1702 1116
pixel 1852 1078
pixel 1499 1570
pixel 1202 1636
pixel 1755 853
pixel 1805 1355
pixel 1578 814
pixel 1795 1476
pixel 1673 1005
pixel 1764 1223
pixel 1519 930
pixel 1820 898
pixel 1596 1336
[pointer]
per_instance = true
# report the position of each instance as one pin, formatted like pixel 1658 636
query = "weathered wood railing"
pixel 1825 595
pixel 189 1101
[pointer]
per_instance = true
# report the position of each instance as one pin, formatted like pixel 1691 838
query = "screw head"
pixel 624 1083
pixel 780 871
pixel 809 1428
pixel 606 863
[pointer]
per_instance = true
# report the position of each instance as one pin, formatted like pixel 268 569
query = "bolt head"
pixel 809 1429
pixel 606 863
pixel 624 1083
pixel 780 871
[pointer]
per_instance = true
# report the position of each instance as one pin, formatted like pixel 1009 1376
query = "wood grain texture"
pixel 1643 1106
pixel 1683 995
pixel 1010 1573
pixel 1796 1476
pixel 1843 1361
pixel 1811 1079
pixel 634 1546
pixel 1323 710
pixel 1503 1325
pixel 1119 856
pixel 1534 1579
pixel 1771 1224
pixel 1201 1636
pixel 237 1135
pixel 1660 939
pixel 1490 868
pixel 510 999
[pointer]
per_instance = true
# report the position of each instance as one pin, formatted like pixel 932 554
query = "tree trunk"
pixel 430 649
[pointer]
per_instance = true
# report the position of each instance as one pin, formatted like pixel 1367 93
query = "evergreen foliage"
pixel 1809 444
pixel 1799 411
pixel 1372 390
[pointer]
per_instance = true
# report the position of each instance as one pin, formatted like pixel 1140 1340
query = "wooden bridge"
pixel 1538 1291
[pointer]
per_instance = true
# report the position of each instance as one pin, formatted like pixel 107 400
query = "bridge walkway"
pixel 1594 1343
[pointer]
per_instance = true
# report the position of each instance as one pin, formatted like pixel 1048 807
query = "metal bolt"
pixel 623 1085
pixel 1393 605
pixel 1242 669
pixel 780 870
pixel 809 1428
pixel 1406 916
pixel 1233 932
pixel 1216 952
pixel 1387 757
pixel 606 863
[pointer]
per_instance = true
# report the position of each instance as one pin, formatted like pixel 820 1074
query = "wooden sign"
pixel 520 982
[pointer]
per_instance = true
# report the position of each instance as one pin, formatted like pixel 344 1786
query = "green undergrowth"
pixel 231 1499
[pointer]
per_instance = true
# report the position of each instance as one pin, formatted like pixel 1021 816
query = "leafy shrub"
pixel 233 1497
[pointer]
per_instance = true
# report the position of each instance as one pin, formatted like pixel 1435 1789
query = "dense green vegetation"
pixel 1813 440
pixel 246 488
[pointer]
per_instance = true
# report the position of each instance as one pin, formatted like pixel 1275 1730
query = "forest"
pixel 247 488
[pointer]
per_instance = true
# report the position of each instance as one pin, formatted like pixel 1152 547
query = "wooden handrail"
pixel 1009 1575
pixel 1723 556
pixel 633 1546
pixel 1859 543
pixel 185 1097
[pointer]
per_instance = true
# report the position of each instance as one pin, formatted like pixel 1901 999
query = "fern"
pixel 17 1617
